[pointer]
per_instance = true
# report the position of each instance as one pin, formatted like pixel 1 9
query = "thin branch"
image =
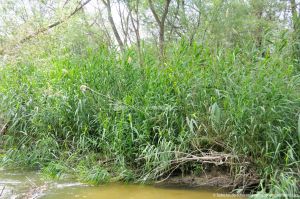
pixel 112 23
pixel 79 7
pixel 154 12
pixel 2 190
pixel 166 10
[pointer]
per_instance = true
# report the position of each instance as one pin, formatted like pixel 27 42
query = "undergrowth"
pixel 103 117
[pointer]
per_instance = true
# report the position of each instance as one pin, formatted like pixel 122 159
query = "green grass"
pixel 103 117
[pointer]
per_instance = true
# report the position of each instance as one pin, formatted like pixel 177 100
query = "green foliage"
pixel 86 109
pixel 109 109
pixel 54 170
pixel 284 185
pixel 75 104
pixel 95 175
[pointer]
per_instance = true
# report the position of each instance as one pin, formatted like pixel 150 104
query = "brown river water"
pixel 29 185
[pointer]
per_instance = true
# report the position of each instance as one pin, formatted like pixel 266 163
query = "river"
pixel 29 185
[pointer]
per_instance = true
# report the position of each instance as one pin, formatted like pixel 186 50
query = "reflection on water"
pixel 117 191
pixel 29 185
pixel 14 183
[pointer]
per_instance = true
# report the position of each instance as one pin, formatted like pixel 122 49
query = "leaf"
pixel 215 113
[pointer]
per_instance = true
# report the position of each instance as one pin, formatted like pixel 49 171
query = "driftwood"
pixel 34 192
pixel 181 158
pixel 215 175
pixel 213 157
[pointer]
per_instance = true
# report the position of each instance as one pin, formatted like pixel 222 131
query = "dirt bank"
pixel 214 178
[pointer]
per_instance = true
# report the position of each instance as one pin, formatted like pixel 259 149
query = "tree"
pixel 44 29
pixel 124 20
pixel 134 14
pixel 107 4
pixel 161 24
pixel 296 27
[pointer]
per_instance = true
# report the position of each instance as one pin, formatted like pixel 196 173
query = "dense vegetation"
pixel 80 105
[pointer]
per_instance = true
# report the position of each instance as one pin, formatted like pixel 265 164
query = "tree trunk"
pixel 136 27
pixel 113 25
pixel 162 42
pixel 161 25
pixel 295 16
pixel 296 26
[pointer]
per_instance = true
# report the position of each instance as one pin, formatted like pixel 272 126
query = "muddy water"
pixel 30 185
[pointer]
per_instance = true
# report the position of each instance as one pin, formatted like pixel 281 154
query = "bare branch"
pixel 42 30
pixel 166 10
pixel 112 23
pixel 161 24
pixel 154 12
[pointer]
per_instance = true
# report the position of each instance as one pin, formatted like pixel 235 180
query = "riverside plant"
pixel 103 117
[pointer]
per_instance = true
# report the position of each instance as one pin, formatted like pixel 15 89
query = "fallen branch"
pixel 181 158
pixel 211 157
pixel 242 180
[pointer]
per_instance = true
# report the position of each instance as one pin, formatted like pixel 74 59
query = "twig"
pixel 2 190
pixel 171 172
pixel 31 182
pixel 3 129
pixel 42 30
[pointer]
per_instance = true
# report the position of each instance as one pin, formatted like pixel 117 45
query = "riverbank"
pixel 103 118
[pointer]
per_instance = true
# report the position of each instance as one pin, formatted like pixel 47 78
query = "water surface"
pixel 24 184
pixel 117 191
